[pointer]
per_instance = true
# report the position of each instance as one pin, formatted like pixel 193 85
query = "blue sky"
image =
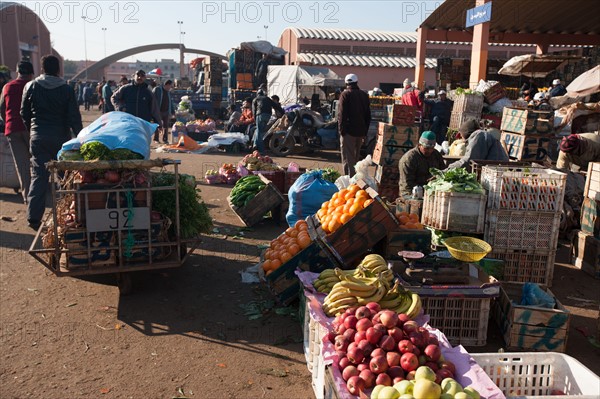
pixel 209 25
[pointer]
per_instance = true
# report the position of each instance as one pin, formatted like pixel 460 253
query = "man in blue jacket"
pixel 137 99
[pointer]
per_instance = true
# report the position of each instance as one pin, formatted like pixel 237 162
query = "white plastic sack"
pixel 458 148
pixel 499 105
pixel 362 172
pixel 342 182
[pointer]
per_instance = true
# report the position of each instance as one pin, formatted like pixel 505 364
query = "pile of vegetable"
pixel 96 151
pixel 454 180
pixel 329 174
pixel 255 161
pixel 194 217
pixel 246 189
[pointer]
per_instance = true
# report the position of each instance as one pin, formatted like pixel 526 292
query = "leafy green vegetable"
pixel 95 150
pixel 194 217
pixel 329 174
pixel 124 154
pixel 456 180
pixel 70 155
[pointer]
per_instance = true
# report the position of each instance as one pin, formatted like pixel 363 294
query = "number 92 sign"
pixel 117 219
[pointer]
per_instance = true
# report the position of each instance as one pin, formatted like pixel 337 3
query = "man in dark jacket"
pixel 354 117
pixel 557 89
pixel 88 92
pixel 414 166
pixel 137 99
pixel 165 107
pixel 262 108
pixel 15 130
pixel 49 110
pixel 440 111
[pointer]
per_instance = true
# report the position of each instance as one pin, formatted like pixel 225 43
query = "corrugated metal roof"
pixel 381 61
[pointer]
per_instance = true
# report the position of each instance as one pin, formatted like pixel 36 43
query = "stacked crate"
pixel 213 81
pixel 393 141
pixel 522 220
pixel 527 134
pixel 585 252
pixel 466 106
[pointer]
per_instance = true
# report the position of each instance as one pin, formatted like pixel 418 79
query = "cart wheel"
pixel 125 284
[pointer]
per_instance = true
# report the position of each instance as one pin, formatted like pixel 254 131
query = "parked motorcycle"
pixel 308 131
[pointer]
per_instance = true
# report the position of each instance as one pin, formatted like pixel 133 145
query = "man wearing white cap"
pixel 354 118
pixel 557 89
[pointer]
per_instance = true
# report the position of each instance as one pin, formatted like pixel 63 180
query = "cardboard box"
pixel 386 175
pixel 585 253
pixel 387 155
pixel 526 121
pixel 532 148
pixel 592 181
pixel 399 114
pixel 590 217
pixel 397 136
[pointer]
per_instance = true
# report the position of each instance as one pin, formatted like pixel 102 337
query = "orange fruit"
pixel 275 264
pixel 361 194
pixel 418 226
pixel 293 233
pixel 334 225
pixel 304 241
pixel 410 226
pixel 267 265
pixel 269 272
pixel 268 253
pixel 334 196
pixel 349 195
pixel 360 201
pixel 413 217
pixel 338 202
pixel 345 218
pixel 300 223
pixel 403 213
pixel 342 193
pixel 288 231
pixel 404 219
pixel 320 214
pixel 325 205
pixel 353 188
pixel 285 256
pixel 294 249
pixel 368 202
pixel 354 209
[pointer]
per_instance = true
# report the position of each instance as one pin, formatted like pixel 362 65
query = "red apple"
pixel 378 352
pixel 349 371
pixel 388 318
pixel 403 318
pixel 355 355
pixel 433 353
pixel 411 375
pixel 378 364
pixel 369 377
pixel 349 334
pixel 350 311
pixel 425 333
pixel 374 307
pixel 375 319
pixel 363 324
pixel 393 358
pixel 416 351
pixel 373 335
pixel 359 336
pixel 383 379
pixel 362 366
pixel 395 372
pixel 366 346
pixel 355 385
pixel 397 380
pixel 350 322
pixel 341 343
pixel 432 366
pixel 410 326
pixel 417 339
pixel 396 333
pixel 409 362
pixel 331 336
pixel 341 329
pixel 343 362
pixel 362 312
pixel 433 340
pixel 405 346
pixel 442 374
pixel 387 343
pixel 448 365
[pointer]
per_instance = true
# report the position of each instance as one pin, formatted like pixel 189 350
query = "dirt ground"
pixel 183 332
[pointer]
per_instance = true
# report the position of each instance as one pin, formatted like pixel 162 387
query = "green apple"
pixel 462 395
pixel 445 381
pixel 376 390
pixel 406 396
pixel 388 393
pixel 425 372
pixel 446 396
pixel 426 389
pixel 452 388
pixel 472 392
pixel 404 386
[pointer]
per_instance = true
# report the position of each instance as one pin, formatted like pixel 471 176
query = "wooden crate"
pixel 531 148
pixel 400 114
pixel 266 200
pixel 407 240
pixel 590 217
pixel 397 136
pixel 387 175
pixel 526 121
pixel 468 103
pixel 277 177
pixel 458 118
pixel 585 253
pixel 387 155
pixel 592 181
pixel 530 328
pixel 354 239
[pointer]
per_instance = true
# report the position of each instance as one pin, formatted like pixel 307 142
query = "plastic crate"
pixel 537 375
pixel 459 212
pixel 468 103
pixel 524 189
pixel 522 230
pixel 463 320
pixel 522 266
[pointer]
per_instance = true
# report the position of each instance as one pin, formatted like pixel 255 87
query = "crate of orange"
pixel 410 236
pixel 352 222
pixel 295 248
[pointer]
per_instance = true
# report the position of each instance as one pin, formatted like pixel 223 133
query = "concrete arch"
pixel 99 66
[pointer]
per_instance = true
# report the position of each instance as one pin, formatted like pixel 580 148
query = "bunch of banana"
pixel 328 278
pixel 353 290
pixel 401 301
pixel 373 265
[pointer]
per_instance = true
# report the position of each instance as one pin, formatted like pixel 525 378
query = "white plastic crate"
pixel 522 230
pixel 523 188
pixel 544 374
pixel 522 266
pixel 460 212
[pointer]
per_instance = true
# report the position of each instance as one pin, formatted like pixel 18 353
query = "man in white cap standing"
pixel 354 117
pixel 557 89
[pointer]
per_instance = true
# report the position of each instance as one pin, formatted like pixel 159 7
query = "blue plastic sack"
pixel 116 130
pixel 533 295
pixel 307 194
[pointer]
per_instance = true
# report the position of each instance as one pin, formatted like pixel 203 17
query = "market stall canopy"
pixel 292 82
pixel 585 84
pixel 263 46
pixel 533 65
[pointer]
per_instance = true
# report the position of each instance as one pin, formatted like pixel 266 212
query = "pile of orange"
pixel 342 207
pixel 286 246
pixel 409 221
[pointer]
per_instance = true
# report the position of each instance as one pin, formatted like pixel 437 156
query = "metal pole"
pixel 85 47
pixel 266 27
pixel 104 33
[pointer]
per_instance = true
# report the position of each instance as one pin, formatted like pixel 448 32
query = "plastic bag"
pixel 293 167
pixel 362 172
pixel 116 130
pixel 458 148
pixel 498 106
pixel 533 295
pixel 342 182
pixel 307 194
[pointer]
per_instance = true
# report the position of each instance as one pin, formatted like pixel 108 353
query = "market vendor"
pixel 481 145
pixel 415 164
pixel 578 150
pixel 246 119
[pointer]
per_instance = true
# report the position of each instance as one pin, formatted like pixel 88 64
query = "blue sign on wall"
pixel 479 15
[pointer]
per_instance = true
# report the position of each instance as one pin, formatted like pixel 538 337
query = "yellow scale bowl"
pixel 467 249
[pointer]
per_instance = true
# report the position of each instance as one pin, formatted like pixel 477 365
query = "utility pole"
pixel 85 46
pixel 104 33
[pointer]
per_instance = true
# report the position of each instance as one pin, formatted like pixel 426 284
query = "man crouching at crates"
pixel 415 164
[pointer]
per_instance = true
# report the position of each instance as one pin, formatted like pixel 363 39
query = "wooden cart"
pixel 113 231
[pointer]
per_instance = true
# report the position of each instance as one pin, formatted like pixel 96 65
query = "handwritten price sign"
pixel 525 148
